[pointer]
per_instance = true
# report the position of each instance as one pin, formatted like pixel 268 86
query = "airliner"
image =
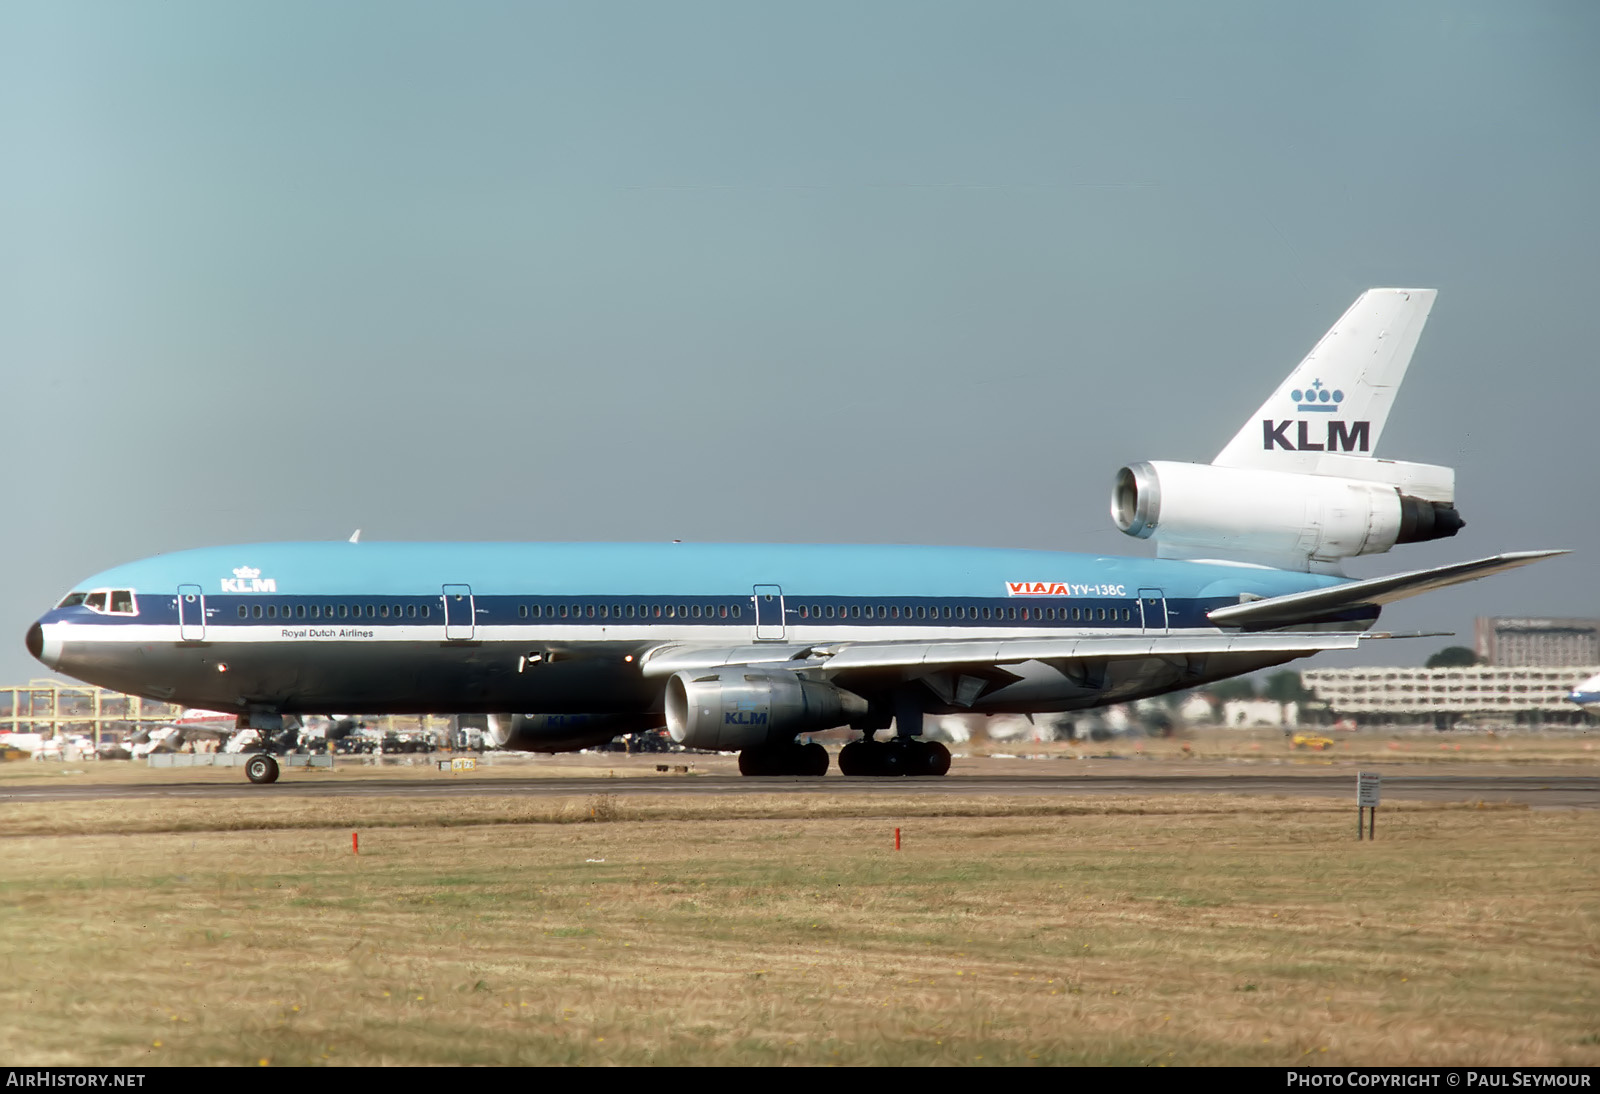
pixel 749 647
pixel 1587 694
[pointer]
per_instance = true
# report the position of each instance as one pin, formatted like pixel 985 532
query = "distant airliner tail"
pixel 1337 400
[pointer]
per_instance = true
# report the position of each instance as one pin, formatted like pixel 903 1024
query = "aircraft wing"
pixel 1298 608
pixel 840 657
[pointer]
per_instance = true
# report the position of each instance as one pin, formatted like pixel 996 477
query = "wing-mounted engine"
pixel 737 708
pixel 1283 519
pixel 562 732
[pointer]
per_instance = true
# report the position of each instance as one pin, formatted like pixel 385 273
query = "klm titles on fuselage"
pixel 1340 436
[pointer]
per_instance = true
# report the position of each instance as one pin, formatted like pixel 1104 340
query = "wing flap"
pixel 854 656
pixel 1286 611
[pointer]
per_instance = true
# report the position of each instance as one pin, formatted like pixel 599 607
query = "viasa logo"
pixel 1338 437
pixel 1037 588
pixel 248 579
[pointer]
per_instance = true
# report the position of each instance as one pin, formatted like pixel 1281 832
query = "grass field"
pixel 766 929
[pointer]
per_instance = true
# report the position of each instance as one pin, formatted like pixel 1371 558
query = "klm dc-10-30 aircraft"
pixel 745 647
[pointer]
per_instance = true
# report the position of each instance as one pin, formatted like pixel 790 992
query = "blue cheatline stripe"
pixel 736 612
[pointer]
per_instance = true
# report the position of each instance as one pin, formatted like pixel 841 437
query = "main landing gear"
pixel 900 756
pixel 261 768
pixel 790 759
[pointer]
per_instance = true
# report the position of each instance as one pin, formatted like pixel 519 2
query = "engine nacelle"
pixel 561 732
pixel 1271 516
pixel 734 709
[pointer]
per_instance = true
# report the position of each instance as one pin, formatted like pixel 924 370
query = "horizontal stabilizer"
pixel 1286 611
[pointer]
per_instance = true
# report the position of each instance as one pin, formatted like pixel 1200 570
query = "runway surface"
pixel 1547 791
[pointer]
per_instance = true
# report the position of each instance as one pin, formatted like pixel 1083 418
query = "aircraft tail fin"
pixel 1338 398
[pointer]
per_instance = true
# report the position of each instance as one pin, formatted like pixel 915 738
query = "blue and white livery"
pixel 745 647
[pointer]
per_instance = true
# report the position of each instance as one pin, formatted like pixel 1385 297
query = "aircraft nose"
pixel 35 641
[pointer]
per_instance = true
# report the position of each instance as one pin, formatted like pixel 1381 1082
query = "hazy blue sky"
pixel 881 272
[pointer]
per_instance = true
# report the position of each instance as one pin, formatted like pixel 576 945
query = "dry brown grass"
pixel 785 929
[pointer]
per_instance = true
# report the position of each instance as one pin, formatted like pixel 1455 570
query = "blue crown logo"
pixel 1317 398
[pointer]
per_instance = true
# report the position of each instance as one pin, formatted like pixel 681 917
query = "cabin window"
pixel 522 611
pixel 244 612
pixel 1102 615
pixel 411 611
pixel 384 611
pixel 299 611
pixel 722 612
pixel 344 610
pixel 736 611
pixel 616 611
pixel 424 611
pixel 272 611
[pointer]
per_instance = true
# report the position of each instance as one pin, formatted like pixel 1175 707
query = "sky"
pixel 885 272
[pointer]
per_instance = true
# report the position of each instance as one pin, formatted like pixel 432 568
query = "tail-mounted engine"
pixel 1360 507
pixel 736 709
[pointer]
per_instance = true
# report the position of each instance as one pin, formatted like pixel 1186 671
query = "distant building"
pixel 1484 694
pixel 1512 643
pixel 1253 713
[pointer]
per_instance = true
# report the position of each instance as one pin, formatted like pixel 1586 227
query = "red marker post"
pixel 355 844
pixel 897 839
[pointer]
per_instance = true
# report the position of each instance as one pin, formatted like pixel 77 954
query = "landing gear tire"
pixel 813 760
pixel 261 768
pixel 810 760
pixel 756 761
pixel 891 759
pixel 855 758
pixel 935 759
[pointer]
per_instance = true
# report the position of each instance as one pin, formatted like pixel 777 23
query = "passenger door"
pixel 459 621
pixel 1153 610
pixel 191 613
pixel 769 613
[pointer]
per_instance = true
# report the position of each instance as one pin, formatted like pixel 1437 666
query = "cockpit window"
pixel 114 601
pixel 72 600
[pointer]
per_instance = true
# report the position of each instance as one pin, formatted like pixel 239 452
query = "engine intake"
pixel 736 709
